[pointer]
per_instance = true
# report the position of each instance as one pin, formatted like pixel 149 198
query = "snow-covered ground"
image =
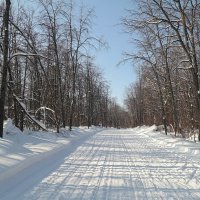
pixel 20 150
pixel 99 164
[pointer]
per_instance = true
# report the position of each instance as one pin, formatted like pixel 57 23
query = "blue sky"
pixel 107 24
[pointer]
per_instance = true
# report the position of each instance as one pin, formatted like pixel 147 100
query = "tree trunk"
pixel 161 99
pixel 5 65
pixel 73 102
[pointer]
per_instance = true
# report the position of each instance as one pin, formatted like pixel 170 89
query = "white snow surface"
pixel 98 163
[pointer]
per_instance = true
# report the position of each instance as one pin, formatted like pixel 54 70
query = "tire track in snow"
pixel 178 189
pixel 92 185
pixel 68 167
pixel 74 168
pixel 82 170
pixel 97 193
pixel 84 176
pixel 137 184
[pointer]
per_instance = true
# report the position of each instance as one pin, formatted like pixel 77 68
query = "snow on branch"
pixel 22 105
pixel 183 61
pixel 26 54
pixel 184 68
pixel 45 108
pixel 154 21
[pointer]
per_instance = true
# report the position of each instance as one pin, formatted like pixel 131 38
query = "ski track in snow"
pixel 112 164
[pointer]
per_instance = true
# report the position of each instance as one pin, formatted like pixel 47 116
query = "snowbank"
pixel 19 150
pixel 181 144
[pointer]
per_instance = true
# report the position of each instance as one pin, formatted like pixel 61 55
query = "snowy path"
pixel 112 164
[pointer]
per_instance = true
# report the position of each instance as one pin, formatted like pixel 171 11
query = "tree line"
pixel 48 73
pixel 168 57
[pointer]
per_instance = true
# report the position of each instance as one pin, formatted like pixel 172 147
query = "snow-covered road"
pixel 112 164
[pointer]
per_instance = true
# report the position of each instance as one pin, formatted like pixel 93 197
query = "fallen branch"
pixel 36 122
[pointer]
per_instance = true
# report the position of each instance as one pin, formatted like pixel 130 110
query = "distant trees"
pixel 169 59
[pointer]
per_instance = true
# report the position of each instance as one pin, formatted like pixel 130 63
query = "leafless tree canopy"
pixel 167 91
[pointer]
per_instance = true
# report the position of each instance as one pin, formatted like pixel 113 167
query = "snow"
pixel 98 163
pixel 20 150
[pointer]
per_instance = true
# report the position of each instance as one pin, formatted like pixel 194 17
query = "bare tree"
pixel 169 44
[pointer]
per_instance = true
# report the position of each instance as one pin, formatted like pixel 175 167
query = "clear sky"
pixel 107 24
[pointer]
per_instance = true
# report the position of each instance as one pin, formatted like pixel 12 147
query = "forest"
pixel 168 41
pixel 48 76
